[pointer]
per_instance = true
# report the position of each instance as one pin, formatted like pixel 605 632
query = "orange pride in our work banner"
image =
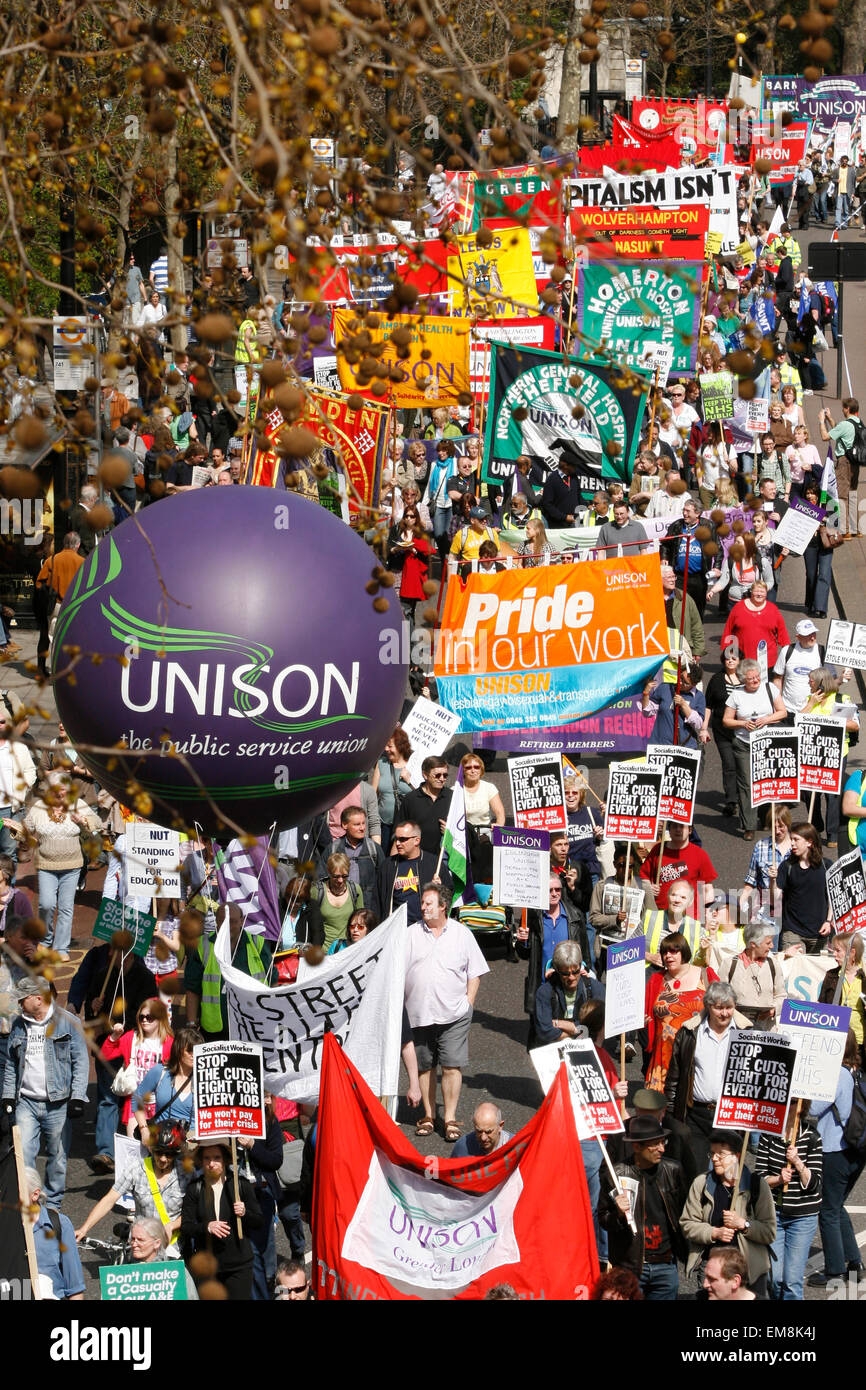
pixel 583 614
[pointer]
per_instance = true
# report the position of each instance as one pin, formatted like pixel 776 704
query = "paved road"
pixel 499 1066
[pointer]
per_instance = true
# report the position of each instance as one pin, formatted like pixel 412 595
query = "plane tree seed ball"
pixel 225 638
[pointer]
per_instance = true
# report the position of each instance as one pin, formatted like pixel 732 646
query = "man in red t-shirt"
pixel 680 860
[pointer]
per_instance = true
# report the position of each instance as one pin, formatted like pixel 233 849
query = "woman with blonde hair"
pixel 338 899
pixel 536 546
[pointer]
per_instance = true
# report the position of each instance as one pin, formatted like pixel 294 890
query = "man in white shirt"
pixel 793 665
pixel 443 968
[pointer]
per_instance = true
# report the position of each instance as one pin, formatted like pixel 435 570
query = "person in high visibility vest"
pixel 156 1181
pixel 203 980
pixel 658 924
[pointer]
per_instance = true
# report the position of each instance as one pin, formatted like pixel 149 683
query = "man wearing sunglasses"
pixel 428 804
pixel 292 1284
pixel 403 874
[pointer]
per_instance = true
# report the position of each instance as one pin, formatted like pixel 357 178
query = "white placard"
pixel 151 861
pixel 846 645
pixel 758 415
pixel 625 986
pixel 521 867
pixel 429 728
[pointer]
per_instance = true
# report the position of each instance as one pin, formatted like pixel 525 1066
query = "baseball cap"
pixel 477 513
pixel 805 628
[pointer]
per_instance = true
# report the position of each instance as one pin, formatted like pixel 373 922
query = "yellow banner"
pixel 435 379
pixel 495 281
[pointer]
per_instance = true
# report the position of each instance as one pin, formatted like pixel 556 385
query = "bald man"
pixel 487 1134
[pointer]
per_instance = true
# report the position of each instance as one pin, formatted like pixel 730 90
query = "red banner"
pixel 671 234
pixel 383 1230
pixel 697 124
pixel 784 152
pixel 657 149
pixel 658 154
pixel 359 436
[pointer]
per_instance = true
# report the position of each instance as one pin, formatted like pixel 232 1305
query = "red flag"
pixel 389 1223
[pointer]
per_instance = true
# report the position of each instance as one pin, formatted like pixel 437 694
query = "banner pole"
pixel 794 1133
pixel 741 1163
pixel 682 632
pixel 655 400
pixel 811 806
pixel 662 833
pixel 622 1071
pixel 576 1084
pixel 237 1184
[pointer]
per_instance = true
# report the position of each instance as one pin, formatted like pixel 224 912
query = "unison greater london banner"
pixel 392 1224
pixel 537 648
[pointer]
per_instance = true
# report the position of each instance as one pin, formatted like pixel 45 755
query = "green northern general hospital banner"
pixel 642 312
pixel 532 396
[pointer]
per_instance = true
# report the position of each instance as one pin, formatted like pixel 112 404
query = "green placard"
pixel 113 916
pixel 717 395
pixel 164 1281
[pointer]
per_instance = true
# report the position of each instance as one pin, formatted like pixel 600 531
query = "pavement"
pixel 499 1067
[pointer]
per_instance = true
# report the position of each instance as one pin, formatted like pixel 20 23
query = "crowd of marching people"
pixel 708 493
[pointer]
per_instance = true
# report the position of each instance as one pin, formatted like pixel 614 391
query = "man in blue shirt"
pixel 674 551
pixel 57 1256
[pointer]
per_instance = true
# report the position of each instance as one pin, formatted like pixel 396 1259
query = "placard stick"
pixel 622 1071
pixel 627 863
pixel 655 400
pixel 741 1163
pixel 585 785
pixel 682 632
pixel 794 1133
pixel 112 962
pixel 237 1184
pixel 578 1086
pixel 662 832
pixel 811 806
pixel 24 1198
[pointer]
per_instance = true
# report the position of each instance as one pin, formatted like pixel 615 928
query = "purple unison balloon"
pixel 253 650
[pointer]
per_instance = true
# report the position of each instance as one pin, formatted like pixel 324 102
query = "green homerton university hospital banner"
pixel 530 412
pixel 644 313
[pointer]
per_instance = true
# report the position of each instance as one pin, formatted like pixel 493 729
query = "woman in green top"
pixel 339 899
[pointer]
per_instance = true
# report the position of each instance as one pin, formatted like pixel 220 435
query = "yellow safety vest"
pixel 211 1013
pixel 655 926
pixel 158 1202
pixel 241 353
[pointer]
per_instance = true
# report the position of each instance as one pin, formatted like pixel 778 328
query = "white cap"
pixel 805 628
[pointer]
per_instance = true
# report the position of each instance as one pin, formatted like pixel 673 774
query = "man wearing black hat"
pixel 642 1220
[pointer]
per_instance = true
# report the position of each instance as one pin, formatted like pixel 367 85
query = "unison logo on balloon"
pixel 253 692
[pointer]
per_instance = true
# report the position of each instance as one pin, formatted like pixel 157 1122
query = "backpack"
pixel 856 454
pixel 354 893
pixel 854 1129
pixel 785 653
